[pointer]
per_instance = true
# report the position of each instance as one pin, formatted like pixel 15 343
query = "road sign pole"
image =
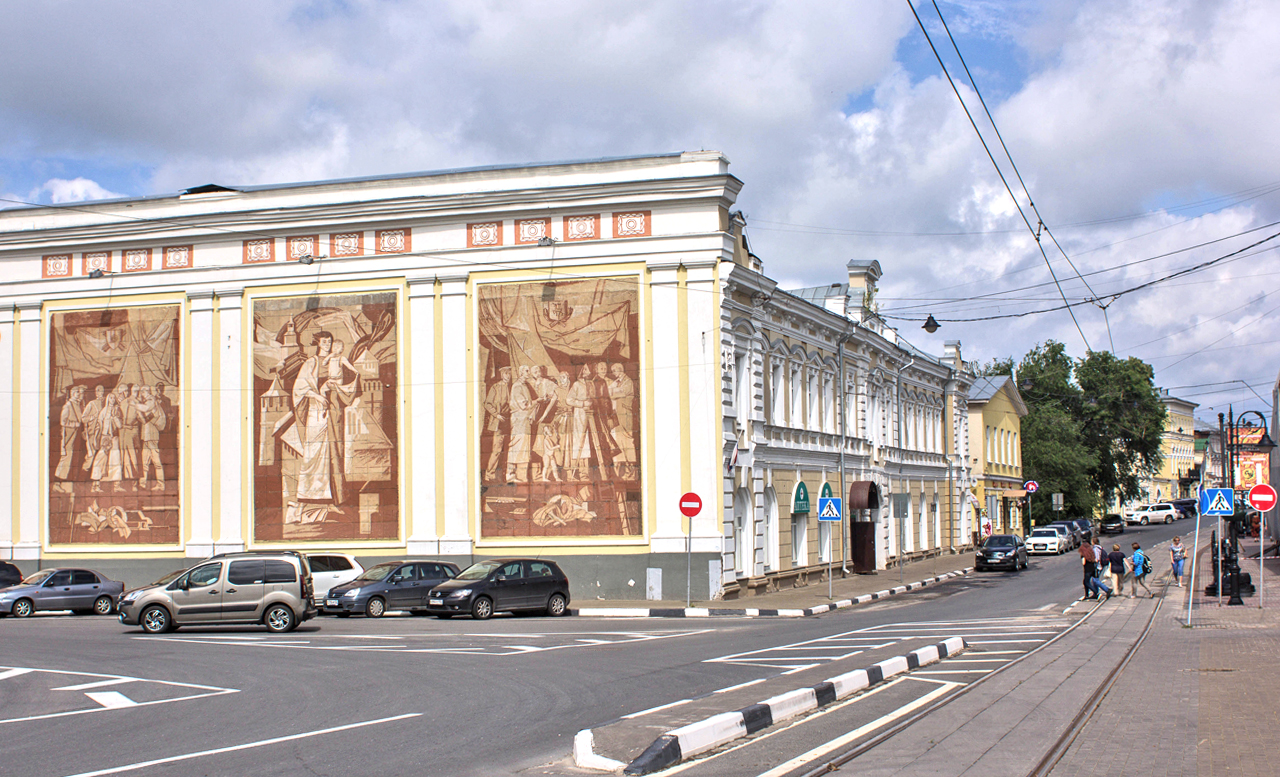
pixel 690 505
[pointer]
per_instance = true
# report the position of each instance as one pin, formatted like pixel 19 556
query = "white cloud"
pixel 76 190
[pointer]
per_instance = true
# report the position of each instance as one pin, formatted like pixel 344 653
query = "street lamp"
pixel 1235 446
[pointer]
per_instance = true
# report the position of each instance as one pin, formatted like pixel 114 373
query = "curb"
pixel 716 612
pixel 687 741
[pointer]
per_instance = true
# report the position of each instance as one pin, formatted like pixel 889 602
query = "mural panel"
pixel 326 378
pixel 560 429
pixel 114 423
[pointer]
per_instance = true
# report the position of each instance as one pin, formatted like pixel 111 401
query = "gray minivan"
pixel 273 589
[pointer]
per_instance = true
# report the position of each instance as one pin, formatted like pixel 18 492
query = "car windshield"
pixel 1000 542
pixel 1044 533
pixel 169 578
pixel 478 571
pixel 374 574
pixel 38 577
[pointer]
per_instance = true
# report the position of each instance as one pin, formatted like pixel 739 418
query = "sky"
pixel 1144 132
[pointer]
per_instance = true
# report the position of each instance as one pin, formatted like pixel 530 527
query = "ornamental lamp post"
pixel 1264 444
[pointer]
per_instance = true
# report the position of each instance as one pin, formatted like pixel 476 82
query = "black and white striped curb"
pixel 687 741
pixel 750 612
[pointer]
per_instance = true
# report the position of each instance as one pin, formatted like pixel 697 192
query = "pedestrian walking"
pixel 1178 555
pixel 1139 561
pixel 1116 560
pixel 1089 567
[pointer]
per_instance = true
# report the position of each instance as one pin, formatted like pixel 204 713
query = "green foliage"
pixel 1093 426
pixel 995 367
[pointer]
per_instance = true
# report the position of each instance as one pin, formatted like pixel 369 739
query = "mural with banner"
pixel 325 381
pixel 560 430
pixel 114 421
pixel 1252 467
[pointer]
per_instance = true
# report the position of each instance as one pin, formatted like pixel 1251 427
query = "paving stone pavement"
pixel 1194 700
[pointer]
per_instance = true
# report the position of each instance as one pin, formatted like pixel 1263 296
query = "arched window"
pixel 771 540
pixel 743 528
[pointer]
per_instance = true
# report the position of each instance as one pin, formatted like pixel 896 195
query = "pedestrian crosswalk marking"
pixel 1220 505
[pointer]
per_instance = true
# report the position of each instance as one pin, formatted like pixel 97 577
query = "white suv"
pixel 330 569
pixel 1161 512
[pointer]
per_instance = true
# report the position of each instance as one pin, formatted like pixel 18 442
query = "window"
pixel 828 404
pixel 509 572
pixel 814 404
pixel 205 575
pixel 540 569
pixel 245 572
pixel 277 571
pixel 797 399
pixel 407 572
pixel 742 389
pixel 777 394
pixel 83 577
pixel 320 564
pixel 59 578
pixel 339 563
pixel 799 553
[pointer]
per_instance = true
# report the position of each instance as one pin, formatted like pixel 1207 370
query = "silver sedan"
pixel 82 591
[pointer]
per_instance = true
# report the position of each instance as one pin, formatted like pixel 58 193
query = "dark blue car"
pixel 392 585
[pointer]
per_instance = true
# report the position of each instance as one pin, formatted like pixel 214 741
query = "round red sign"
pixel 1262 497
pixel 1031 486
pixel 690 504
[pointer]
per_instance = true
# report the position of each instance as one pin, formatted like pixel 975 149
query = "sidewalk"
pixel 794 602
pixel 1195 700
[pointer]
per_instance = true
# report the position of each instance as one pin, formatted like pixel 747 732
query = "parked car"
pixel 1161 512
pixel 330 569
pixel 82 591
pixel 1001 550
pixel 9 574
pixel 1086 528
pixel 1077 536
pixel 1112 523
pixel 1189 508
pixel 502 585
pixel 1047 539
pixel 271 588
pixel 391 585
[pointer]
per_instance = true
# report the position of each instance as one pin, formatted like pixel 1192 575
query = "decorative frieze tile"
pixel 582 227
pixel 95 260
pixel 633 224
pixel 176 257
pixel 57 266
pixel 393 241
pixel 259 250
pixel 532 230
pixel 136 260
pixel 346 244
pixel 303 245
pixel 488 233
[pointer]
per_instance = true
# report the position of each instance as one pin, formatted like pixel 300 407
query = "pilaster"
pixel 232 412
pixel 30 417
pixel 420 523
pixel 199 392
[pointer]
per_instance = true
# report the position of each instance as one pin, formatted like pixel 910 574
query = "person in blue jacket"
pixel 1139 559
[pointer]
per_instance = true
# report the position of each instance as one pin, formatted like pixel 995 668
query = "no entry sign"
pixel 690 504
pixel 1262 497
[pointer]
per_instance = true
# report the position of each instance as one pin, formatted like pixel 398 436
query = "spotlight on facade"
pixel 96 273
pixel 931 324
pixel 546 241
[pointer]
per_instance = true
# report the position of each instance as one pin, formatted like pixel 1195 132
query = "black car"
pixel 502 585
pixel 1112 523
pixel 1086 528
pixel 392 585
pixel 1001 551
pixel 9 574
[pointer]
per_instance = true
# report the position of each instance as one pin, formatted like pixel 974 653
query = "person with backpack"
pixel 1090 570
pixel 1141 568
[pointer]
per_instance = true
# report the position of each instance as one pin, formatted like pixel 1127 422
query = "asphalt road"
pixel 408 695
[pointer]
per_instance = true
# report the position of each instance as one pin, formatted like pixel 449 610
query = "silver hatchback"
pixel 273 589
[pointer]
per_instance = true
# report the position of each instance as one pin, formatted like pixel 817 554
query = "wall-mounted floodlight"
pixel 95 273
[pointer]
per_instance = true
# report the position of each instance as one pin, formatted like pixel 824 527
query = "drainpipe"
pixel 898 400
pixel 844 432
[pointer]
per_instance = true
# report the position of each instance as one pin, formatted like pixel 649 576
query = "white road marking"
pixel 246 746
pixel 15 672
pixel 659 708
pixel 859 732
pixel 112 700
pixel 955 671
pixel 96 684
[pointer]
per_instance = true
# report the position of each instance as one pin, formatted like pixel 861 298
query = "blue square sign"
pixel 1217 501
pixel 829 508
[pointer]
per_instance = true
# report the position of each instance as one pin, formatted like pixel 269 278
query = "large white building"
pixel 534 360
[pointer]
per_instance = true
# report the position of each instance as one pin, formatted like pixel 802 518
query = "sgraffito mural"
pixel 326 463
pixel 560 429
pixel 114 422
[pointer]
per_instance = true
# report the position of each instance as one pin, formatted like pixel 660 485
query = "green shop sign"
pixel 826 491
pixel 800 500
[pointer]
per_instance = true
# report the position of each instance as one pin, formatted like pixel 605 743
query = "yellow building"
pixel 1178 475
pixel 996 410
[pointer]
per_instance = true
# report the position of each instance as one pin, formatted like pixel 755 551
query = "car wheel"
pixel 1168 519
pixel 556 606
pixel 482 608
pixel 1144 521
pixel 278 619
pixel 103 605
pixel 23 608
pixel 155 620
pixel 375 608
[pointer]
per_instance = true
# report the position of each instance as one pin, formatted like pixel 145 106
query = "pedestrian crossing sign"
pixel 1217 501
pixel 829 508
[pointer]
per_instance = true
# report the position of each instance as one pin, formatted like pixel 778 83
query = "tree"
pixel 1124 421
pixel 995 367
pixel 1054 453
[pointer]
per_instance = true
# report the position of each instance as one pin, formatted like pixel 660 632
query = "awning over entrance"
pixel 1014 493
pixel 864 495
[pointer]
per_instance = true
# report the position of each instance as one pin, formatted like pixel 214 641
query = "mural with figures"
pixel 560 429
pixel 114 424
pixel 326 461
